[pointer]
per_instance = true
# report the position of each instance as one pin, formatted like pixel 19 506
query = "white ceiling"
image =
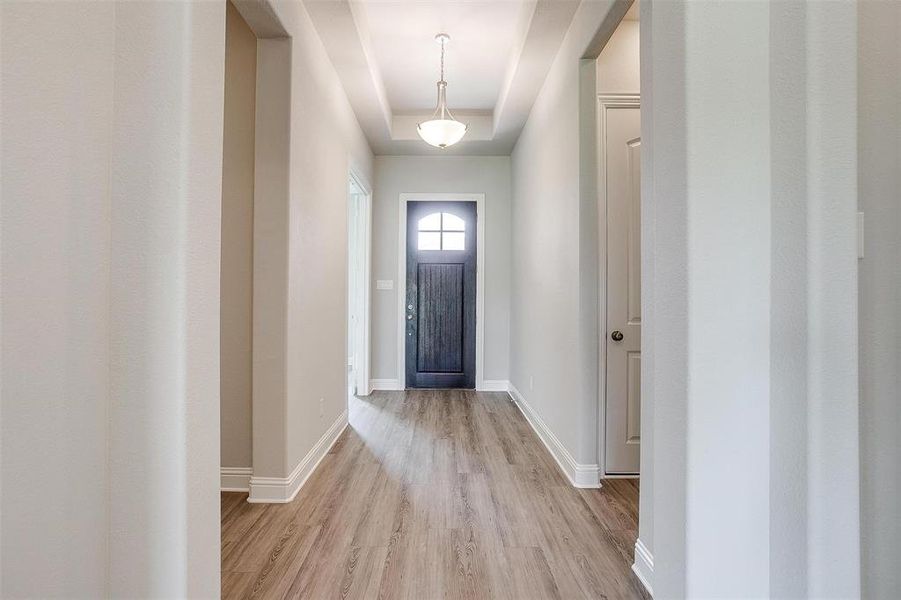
pixel 387 58
pixel 402 35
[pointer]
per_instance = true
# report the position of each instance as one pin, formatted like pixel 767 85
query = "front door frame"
pixel 479 199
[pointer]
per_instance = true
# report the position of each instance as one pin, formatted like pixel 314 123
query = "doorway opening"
pixel 255 197
pixel 359 265
pixel 236 264
pixel 618 114
pixel 614 111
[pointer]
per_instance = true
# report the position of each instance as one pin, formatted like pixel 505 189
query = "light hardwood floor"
pixel 434 494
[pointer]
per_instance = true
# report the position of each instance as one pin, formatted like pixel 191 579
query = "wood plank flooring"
pixel 434 494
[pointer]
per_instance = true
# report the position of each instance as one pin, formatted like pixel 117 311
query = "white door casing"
pixel 353 291
pixel 359 228
pixel 620 121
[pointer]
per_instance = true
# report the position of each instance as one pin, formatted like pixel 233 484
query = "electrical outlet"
pixel 531 383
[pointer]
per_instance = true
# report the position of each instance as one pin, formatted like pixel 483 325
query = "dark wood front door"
pixel 440 308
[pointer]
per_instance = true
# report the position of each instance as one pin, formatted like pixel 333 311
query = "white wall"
pixel 57 105
pixel 553 331
pixel 728 291
pixel 879 120
pixel 489 175
pixel 310 139
pixel 166 177
pixel 236 313
pixel 749 144
pixel 110 246
pixel 663 292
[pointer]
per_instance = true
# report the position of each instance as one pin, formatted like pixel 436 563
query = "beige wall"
pixel 619 68
pixel 270 256
pixel 236 270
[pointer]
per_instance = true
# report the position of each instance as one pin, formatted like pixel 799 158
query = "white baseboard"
pixel 235 479
pixel 487 385
pixel 579 475
pixel 620 476
pixel 494 385
pixel 283 489
pixel 643 567
pixel 385 384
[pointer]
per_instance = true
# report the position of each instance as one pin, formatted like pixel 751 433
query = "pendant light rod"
pixel 442 130
pixel 441 110
pixel 442 38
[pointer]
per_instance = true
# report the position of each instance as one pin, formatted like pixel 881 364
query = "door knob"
pixel 617 336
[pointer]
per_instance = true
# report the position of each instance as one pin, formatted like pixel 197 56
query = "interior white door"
pixel 623 182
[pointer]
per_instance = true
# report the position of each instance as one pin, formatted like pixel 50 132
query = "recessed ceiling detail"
pixel 384 53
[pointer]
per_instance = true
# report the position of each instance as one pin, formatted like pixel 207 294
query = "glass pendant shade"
pixel 442 130
pixel 441 133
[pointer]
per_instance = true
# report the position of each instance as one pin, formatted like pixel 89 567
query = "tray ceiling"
pixel 387 59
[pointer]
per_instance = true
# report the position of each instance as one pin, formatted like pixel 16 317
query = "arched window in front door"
pixel 441 231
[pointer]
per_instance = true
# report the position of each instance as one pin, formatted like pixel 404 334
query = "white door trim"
pixel 479 199
pixel 605 102
pixel 364 386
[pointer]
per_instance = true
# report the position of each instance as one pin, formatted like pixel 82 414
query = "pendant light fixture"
pixel 442 130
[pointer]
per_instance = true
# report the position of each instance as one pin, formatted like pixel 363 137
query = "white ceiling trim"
pixel 547 29
pixel 525 22
pixel 337 27
pixel 357 11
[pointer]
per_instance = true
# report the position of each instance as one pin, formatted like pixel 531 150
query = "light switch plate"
pixel 384 284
